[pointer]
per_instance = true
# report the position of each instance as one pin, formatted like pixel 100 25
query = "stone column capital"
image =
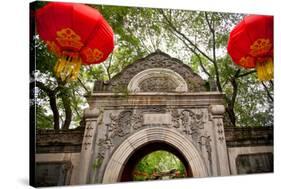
pixel 217 109
pixel 91 113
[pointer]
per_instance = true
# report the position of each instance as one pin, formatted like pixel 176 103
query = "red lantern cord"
pixel 76 33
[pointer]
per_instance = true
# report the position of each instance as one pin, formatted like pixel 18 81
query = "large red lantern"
pixel 76 33
pixel 250 45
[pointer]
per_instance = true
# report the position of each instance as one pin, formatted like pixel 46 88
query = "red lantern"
pixel 76 33
pixel 250 45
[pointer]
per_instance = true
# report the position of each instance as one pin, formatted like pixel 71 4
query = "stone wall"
pixel 248 136
pixel 70 141
pixel 62 141
pixel 250 150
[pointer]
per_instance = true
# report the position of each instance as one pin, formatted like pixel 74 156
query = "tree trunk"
pixel 68 111
pixel 53 103
pixel 54 108
pixel 231 115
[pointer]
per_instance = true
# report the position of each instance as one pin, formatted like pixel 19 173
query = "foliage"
pixel 156 163
pixel 197 38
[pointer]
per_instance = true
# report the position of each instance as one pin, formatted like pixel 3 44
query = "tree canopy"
pixel 157 165
pixel 197 38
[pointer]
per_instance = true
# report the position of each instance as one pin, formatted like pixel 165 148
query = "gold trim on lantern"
pixel 54 47
pixel 247 62
pixel 260 47
pixel 265 70
pixel 92 55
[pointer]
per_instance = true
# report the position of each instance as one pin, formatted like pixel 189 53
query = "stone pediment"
pixel 157 72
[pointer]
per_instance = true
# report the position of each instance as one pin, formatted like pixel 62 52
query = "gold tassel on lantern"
pixel 265 70
pixel 67 68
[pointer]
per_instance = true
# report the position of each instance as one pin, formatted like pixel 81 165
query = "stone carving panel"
pixel 104 145
pixel 155 60
pixel 157 84
pixel 120 125
pixel 191 122
pixel 188 121
pixel 157 80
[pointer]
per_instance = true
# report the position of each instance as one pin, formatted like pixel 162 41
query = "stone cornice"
pixel 156 98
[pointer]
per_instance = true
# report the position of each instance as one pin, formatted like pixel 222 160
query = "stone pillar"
pixel 217 112
pixel 91 118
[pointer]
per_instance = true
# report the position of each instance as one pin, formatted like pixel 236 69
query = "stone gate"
pixel 160 100
pixel 156 103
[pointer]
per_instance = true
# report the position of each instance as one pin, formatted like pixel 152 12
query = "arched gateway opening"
pixel 126 156
pixel 177 167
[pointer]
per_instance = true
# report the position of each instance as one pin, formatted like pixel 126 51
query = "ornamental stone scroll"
pixel 155 77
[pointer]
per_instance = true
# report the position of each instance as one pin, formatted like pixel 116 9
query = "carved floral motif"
pixel 175 118
pixel 192 123
pixel 137 120
pixel 157 84
pixel 104 145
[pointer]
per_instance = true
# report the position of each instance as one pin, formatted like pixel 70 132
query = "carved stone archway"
pixel 126 149
pixel 177 111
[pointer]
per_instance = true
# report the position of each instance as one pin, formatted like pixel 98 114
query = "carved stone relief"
pixel 157 80
pixel 157 84
pixel 205 144
pixel 120 125
pixel 104 145
pixel 175 118
pixel 88 135
pixel 192 123
pixel 220 130
pixel 188 121
pixel 156 60
pixel 137 120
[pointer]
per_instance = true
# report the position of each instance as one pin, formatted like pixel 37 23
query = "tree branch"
pixel 109 65
pixel 213 34
pixel 235 87
pixel 267 92
pixel 82 84
pixel 75 106
pixel 52 101
pixel 245 74
pixel 198 56
pixel 184 36
pixel 231 102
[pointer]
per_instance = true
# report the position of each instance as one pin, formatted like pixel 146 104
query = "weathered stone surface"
pixel 149 135
pixel 51 141
pixel 52 174
pixel 157 80
pixel 254 163
pixel 158 59
pixel 248 136
pixel 72 169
